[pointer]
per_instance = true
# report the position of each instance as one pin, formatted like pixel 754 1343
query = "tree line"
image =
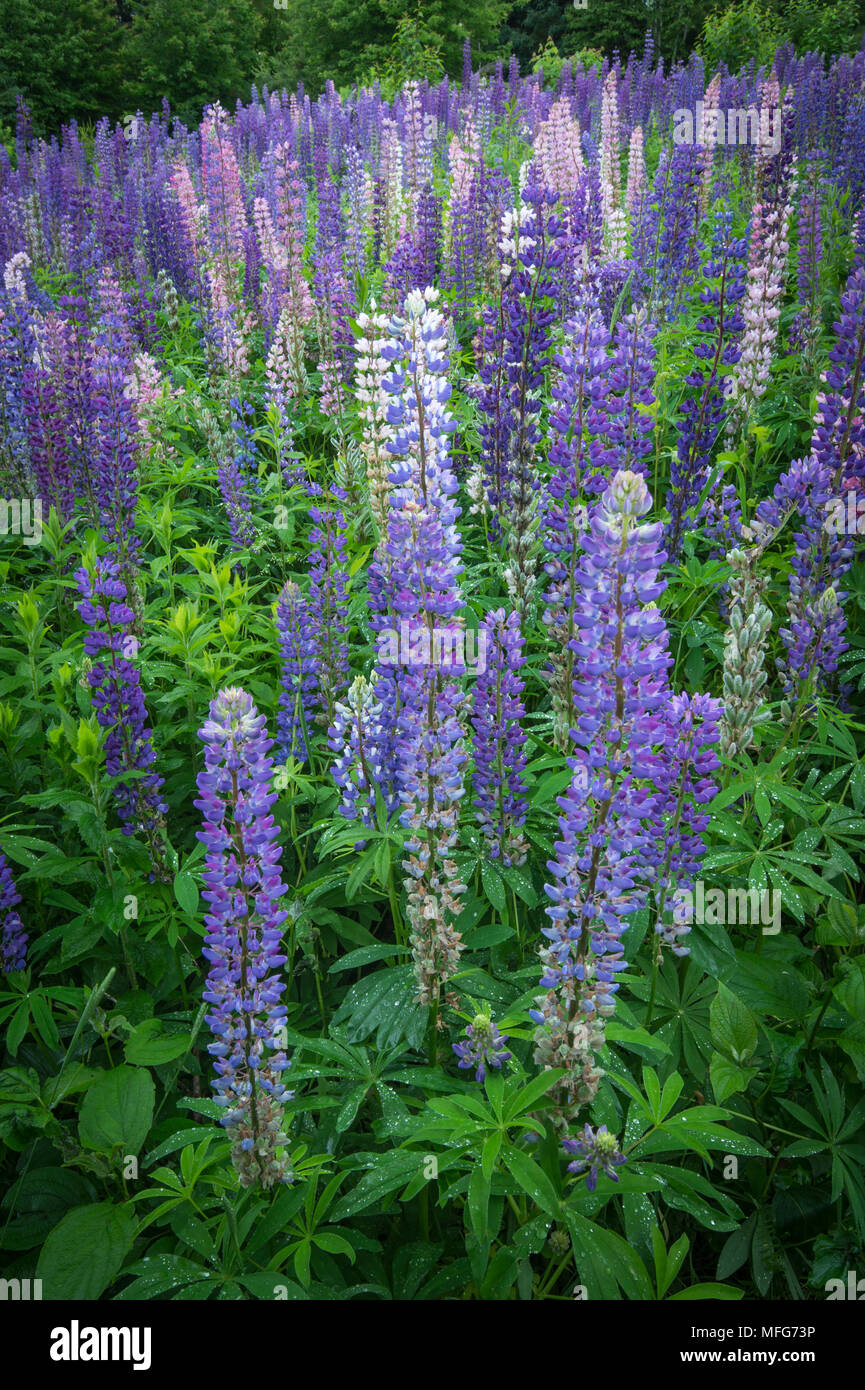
pixel 84 59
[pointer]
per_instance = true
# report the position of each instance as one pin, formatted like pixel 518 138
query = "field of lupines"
pixel 431 693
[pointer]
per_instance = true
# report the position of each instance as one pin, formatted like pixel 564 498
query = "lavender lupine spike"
pixel 512 373
pixel 429 743
pixel 615 222
pixel 499 737
pixel 637 185
pixel 242 886
pixel 356 737
pixel 119 703
pixel 767 263
pixel 298 647
pixel 373 405
pixel 708 135
pixel 417 572
pixel 483 1047
pixel 620 691
pixel 13 938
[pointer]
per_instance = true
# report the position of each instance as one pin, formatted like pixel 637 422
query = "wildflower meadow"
pixel 431 692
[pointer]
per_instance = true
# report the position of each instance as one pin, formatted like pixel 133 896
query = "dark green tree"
pixel 622 24
pixel 63 57
pixel 347 39
pixel 191 51
pixel 529 26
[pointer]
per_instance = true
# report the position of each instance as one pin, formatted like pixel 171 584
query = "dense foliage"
pixel 431 691
pixel 82 59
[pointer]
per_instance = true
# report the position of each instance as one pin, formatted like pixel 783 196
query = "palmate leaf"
pixel 384 1004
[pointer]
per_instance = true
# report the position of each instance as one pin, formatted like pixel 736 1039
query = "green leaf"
pixel 728 1077
pixel 158 1274
pixel 652 1087
pixel 527 1097
pixel 37 1201
pixel 720 1291
pixel 84 1252
pixel 771 986
pixel 148 1046
pixel 531 1178
pixel 736 1249
pixel 186 892
pixel 605 1262
pixel 45 1024
pixel 850 992
pixel 733 1026
pixel 493 886
pixel 18 1027
pixel 384 1003
pixel 117 1111
pixel 490 1153
pixel 389 1172
pixel 478 1204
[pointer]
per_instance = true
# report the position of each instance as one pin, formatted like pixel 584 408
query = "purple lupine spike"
pixel 333 307
pixel 629 406
pixel 13 938
pixel 665 239
pixel 118 700
pixel 721 518
pixel 620 688
pixel 497 714
pixel 242 886
pixel 816 489
pixel 20 435
pixel 328 604
pixel 419 629
pixel 116 434
pixel 682 776
pixel 298 647
pixel 580 416
pixel 429 737
pixel 483 1046
pixel 702 415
